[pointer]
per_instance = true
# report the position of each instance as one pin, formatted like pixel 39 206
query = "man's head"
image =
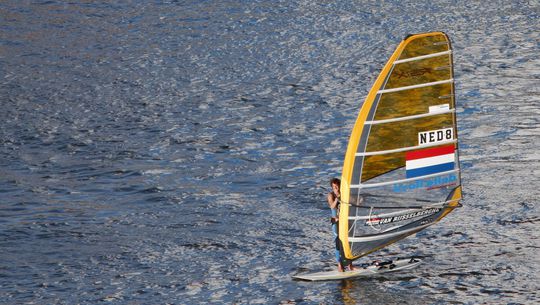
pixel 335 183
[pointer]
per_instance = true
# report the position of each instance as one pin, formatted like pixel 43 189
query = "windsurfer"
pixel 333 203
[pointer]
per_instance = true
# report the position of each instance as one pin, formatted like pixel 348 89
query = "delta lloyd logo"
pixel 429 184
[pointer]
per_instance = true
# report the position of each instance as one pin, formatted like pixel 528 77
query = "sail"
pixel 401 169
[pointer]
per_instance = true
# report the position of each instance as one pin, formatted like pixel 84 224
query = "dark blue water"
pixel 178 152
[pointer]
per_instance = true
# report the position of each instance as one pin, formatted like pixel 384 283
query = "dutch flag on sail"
pixel 429 161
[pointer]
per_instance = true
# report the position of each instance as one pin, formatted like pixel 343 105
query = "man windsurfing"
pixel 333 203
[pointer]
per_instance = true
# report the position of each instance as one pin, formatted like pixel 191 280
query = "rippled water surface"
pixel 179 151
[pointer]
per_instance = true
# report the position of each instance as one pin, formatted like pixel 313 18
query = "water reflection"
pixel 349 293
pixel 377 290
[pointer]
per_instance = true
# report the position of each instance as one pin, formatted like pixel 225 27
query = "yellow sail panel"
pixel 380 164
pixel 420 71
pixel 404 141
pixel 425 44
pixel 398 104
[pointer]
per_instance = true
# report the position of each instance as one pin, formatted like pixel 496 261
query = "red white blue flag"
pixel 429 161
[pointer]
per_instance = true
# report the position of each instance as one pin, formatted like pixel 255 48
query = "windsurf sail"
pixel 401 170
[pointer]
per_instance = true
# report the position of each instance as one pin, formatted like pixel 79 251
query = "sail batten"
pixel 370 185
pixel 403 145
pixel 446 81
pixel 387 235
pixel 410 117
pixel 402 149
pixel 423 57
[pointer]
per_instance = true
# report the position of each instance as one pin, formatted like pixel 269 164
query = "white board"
pixel 388 266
